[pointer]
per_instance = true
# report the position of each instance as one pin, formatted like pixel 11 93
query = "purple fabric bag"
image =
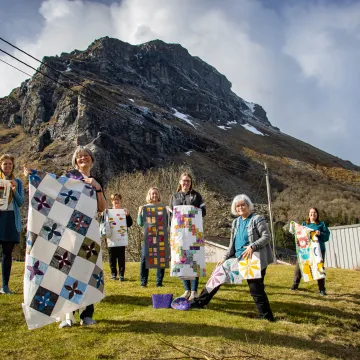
pixel 180 304
pixel 162 301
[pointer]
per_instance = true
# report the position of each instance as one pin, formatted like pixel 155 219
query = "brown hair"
pixel 181 176
pixel 7 157
pixel 318 216
pixel 116 195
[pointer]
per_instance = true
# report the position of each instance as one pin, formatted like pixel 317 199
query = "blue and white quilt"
pixel 63 270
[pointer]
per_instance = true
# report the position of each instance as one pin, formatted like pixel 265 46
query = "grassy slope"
pixel 309 327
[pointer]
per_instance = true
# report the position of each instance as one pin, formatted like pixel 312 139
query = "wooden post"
pixel 270 211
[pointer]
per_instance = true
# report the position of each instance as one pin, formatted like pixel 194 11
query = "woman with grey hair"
pixel 249 233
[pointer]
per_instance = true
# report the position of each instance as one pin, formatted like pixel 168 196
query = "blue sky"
pixel 298 59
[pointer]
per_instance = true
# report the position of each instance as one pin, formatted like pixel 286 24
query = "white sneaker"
pixel 193 295
pixel 65 324
pixel 186 294
pixel 87 321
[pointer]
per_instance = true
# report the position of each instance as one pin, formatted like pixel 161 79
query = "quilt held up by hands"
pixel 5 188
pixel 308 252
pixel 119 233
pixel 187 243
pixel 63 269
pixel 234 271
pixel 156 236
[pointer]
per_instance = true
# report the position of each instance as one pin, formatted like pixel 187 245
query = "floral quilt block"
pixel 234 271
pixel 308 252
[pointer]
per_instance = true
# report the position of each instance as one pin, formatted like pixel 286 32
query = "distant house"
pixel 215 248
pixel 343 247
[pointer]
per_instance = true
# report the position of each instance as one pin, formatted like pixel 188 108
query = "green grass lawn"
pixel 308 326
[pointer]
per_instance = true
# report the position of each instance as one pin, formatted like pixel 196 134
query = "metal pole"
pixel 270 211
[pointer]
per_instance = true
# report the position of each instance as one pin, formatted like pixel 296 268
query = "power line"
pixel 15 68
pixel 101 107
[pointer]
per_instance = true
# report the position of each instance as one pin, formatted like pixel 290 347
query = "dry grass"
pixel 134 187
pixel 308 326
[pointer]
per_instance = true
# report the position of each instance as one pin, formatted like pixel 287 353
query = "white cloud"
pixel 300 62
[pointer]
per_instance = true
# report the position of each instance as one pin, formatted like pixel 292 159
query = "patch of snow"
pixel 68 69
pixel 184 117
pixel 189 152
pixel 132 100
pixel 231 122
pixel 250 105
pixel 224 127
pixel 144 109
pixel 252 129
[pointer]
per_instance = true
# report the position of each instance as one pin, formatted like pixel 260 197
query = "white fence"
pixel 343 247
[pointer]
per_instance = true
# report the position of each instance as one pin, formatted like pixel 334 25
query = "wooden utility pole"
pixel 270 211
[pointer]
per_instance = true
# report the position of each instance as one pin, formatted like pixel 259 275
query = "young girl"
pixel 117 253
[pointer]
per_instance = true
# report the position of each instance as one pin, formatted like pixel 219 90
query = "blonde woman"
pixel 10 219
pixel 152 198
pixel 186 195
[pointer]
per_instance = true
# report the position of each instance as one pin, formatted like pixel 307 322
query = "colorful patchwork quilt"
pixel 156 236
pixel 308 252
pixel 63 269
pixel 233 271
pixel 187 243
pixel 119 233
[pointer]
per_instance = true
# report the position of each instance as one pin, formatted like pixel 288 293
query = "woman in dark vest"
pixel 186 195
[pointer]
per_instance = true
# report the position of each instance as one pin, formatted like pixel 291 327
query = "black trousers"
pixel 117 256
pixel 88 312
pixel 7 249
pixel 297 275
pixel 257 291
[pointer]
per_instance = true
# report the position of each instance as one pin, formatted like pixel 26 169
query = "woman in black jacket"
pixel 185 195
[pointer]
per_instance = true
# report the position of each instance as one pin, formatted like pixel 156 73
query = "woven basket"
pixel 162 301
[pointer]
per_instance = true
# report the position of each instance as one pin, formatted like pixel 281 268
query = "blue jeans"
pixel 194 284
pixel 144 272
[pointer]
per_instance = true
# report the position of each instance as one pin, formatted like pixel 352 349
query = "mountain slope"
pixel 154 104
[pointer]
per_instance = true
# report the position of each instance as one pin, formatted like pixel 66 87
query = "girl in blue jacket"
pixel 323 234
